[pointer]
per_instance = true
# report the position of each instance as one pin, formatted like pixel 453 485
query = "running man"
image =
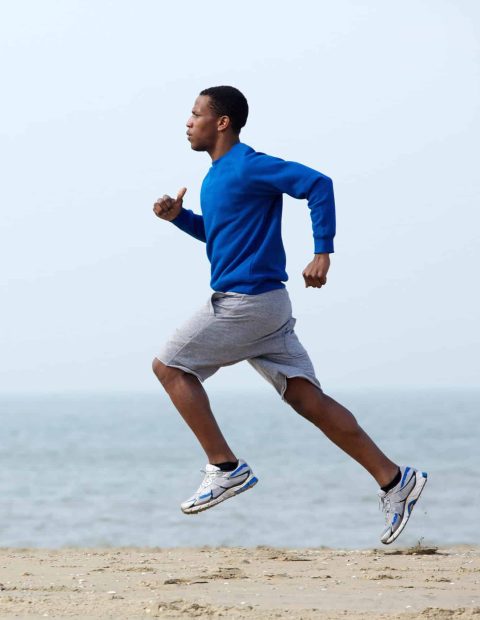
pixel 249 315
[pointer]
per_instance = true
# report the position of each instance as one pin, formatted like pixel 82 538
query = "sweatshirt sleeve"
pixel 191 223
pixel 269 174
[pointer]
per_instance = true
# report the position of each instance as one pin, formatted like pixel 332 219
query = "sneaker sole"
pixel 250 482
pixel 411 500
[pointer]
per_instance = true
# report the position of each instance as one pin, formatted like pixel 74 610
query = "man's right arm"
pixel 191 223
pixel 167 208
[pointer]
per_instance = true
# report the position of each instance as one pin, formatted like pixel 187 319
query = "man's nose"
pixel 189 122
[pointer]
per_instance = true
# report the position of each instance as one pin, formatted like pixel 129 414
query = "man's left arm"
pixel 272 174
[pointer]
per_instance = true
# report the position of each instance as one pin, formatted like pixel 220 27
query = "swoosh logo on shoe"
pixel 405 474
pixel 238 470
pixel 206 495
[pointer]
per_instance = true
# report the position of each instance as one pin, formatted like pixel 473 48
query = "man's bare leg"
pixel 340 426
pixel 192 402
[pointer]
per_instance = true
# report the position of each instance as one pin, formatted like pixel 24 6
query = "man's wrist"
pixel 179 214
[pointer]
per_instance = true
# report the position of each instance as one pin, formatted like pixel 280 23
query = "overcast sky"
pixel 383 97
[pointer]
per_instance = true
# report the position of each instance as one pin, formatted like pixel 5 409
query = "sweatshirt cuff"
pixel 323 246
pixel 181 218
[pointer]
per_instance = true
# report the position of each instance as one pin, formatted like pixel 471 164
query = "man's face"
pixel 202 126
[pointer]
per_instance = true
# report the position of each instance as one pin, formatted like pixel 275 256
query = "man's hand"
pixel 315 273
pixel 168 208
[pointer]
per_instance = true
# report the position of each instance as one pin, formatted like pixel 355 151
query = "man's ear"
pixel 223 123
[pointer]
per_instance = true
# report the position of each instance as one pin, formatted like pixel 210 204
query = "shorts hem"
pixel 184 368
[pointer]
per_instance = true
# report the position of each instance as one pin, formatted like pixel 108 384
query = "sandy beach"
pixel 261 582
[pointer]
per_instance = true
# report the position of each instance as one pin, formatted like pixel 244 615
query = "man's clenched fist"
pixel 315 273
pixel 168 208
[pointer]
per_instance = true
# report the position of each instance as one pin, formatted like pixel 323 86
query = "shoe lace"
pixel 209 478
pixel 385 506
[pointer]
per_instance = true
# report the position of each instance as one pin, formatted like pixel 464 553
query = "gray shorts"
pixel 232 327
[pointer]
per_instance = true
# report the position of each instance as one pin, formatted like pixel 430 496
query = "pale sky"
pixel 382 97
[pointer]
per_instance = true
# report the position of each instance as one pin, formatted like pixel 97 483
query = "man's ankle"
pixel 227 465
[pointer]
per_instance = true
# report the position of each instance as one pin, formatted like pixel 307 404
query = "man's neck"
pixel 222 147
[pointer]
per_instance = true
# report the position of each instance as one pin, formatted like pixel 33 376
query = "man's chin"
pixel 197 147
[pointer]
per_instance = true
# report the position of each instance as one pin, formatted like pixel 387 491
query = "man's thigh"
pixel 229 328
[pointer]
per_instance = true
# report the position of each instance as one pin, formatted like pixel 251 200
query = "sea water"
pixel 112 469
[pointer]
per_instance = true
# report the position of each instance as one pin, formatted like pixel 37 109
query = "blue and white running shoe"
pixel 398 503
pixel 218 486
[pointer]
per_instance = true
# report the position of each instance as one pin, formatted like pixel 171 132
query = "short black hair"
pixel 228 101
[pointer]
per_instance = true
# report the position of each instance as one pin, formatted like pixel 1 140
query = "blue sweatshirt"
pixel 241 202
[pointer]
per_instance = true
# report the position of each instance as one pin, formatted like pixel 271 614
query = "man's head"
pixel 219 112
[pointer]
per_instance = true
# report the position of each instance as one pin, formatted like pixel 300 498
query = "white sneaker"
pixel 218 486
pixel 398 503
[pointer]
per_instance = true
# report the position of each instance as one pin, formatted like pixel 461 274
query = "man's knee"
pixel 165 374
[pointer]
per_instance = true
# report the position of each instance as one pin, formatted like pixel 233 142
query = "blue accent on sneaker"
pixel 395 518
pixel 242 466
pixel 411 505
pixel 249 484
pixel 405 473
pixel 209 495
